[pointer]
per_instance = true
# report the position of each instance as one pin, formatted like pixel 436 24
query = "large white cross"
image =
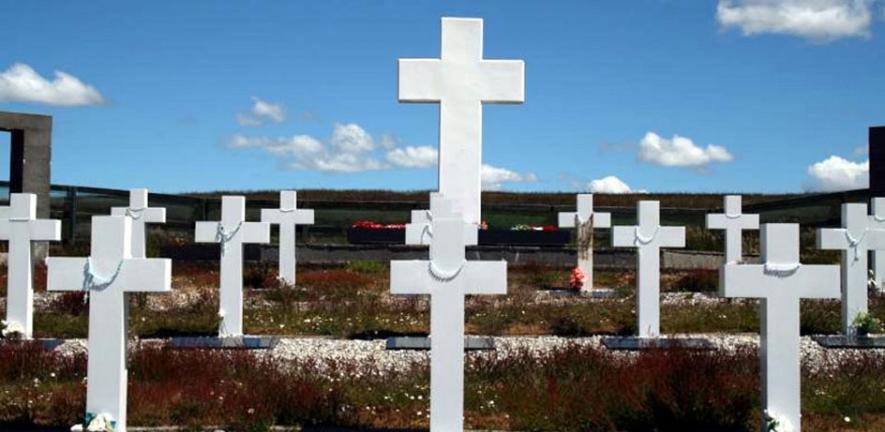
pixel 447 278
pixel 648 237
pixel 20 229
pixel 232 232
pixel 585 220
pixel 734 222
pixel 287 217
pixel 108 274
pixel 461 81
pixel 857 236
pixel 878 217
pixel 780 282
pixel 420 232
pixel 141 214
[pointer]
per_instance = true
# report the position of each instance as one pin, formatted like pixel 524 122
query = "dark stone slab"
pixel 635 343
pixel 234 342
pixel 555 238
pixel 420 343
pixel 48 344
pixel 877 161
pixel 857 342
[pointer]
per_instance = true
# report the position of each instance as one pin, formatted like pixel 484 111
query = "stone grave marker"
pixel 107 275
pixel 141 215
pixel 420 232
pixel 447 277
pixel 288 216
pixel 734 222
pixel 585 220
pixel 231 233
pixel 857 236
pixel 461 81
pixel 780 282
pixel 648 237
pixel 19 226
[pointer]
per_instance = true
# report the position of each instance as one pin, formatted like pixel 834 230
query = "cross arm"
pixel 255 232
pixel 831 238
pixel 672 237
pixel 567 220
pixel 206 232
pixel 819 281
pixel 743 280
pixel 875 239
pixel 410 277
pixel 506 81
pixel 65 273
pixel 419 80
pixel 45 230
pixel 145 275
pixel 716 221
pixel 624 236
pixel 5 226
pixel 485 277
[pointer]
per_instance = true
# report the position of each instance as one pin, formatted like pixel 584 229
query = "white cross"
pixel 287 217
pixel 447 278
pixel 780 282
pixel 878 218
pixel 20 227
pixel 109 273
pixel 648 237
pixel 585 219
pixel 734 222
pixel 141 214
pixel 461 81
pixel 419 231
pixel 232 232
pixel 857 236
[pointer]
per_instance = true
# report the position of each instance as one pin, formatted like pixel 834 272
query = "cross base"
pixel 636 343
pixel 232 342
pixel 851 342
pixel 421 343
pixel 48 344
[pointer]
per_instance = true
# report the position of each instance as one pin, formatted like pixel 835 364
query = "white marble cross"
pixel 287 217
pixel 461 81
pixel 648 237
pixel 780 282
pixel 20 228
pixel 141 214
pixel 878 218
pixel 232 232
pixel 108 274
pixel 447 278
pixel 734 222
pixel 585 220
pixel 419 231
pixel 857 236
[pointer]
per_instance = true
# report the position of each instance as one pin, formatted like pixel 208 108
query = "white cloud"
pixel 838 174
pixel 493 178
pixel 261 112
pixel 388 141
pixel 413 157
pixel 21 83
pixel 351 138
pixel 820 20
pixel 610 185
pixel 679 152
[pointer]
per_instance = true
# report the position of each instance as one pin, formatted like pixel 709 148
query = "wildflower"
pixel 576 279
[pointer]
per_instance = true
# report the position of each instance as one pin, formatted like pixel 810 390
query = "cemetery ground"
pixel 549 372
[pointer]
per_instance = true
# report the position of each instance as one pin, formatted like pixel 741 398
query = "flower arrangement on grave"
pixel 11 329
pixel 367 224
pixel 576 279
pixel 527 227
pixel 865 323
pixel 776 423
pixel 96 423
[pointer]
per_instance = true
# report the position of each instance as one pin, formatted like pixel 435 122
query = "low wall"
pixel 614 259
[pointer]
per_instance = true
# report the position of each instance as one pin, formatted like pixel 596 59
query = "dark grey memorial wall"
pixel 30 155
pixel 877 161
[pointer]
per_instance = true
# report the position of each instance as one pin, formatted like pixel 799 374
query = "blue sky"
pixel 160 93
